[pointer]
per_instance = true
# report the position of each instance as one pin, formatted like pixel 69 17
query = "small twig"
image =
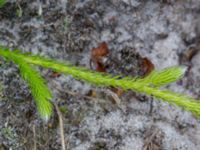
pixel 61 126
pixel 114 96
pixel 151 106
pixel 34 138
pixel 148 142
pixel 19 11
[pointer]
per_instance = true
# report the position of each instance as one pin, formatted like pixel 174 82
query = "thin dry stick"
pixel 61 126
pixel 34 138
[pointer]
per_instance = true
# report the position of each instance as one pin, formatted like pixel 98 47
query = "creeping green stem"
pixel 148 85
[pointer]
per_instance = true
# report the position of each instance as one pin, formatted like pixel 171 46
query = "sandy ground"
pixel 167 32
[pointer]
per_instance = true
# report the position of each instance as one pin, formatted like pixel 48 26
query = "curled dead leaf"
pixel 97 56
pixel 147 66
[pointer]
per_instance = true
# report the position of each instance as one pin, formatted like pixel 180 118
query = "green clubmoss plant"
pixel 36 83
pixel 2 3
pixel 149 85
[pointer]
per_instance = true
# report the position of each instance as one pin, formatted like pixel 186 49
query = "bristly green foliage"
pixel 149 85
pixel 163 77
pixel 37 85
pixel 2 3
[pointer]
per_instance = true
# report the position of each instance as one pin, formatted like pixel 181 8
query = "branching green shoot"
pixel 149 85
pixel 36 83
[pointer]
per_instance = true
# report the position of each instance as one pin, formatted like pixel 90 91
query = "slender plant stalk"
pixel 60 118
pixel 148 85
